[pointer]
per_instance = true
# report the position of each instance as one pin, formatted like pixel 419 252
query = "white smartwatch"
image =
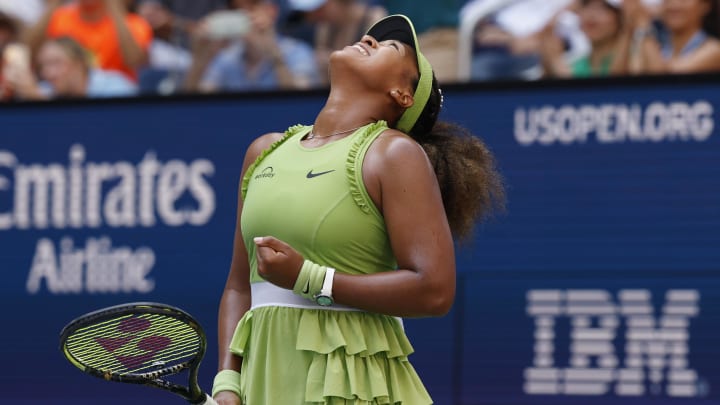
pixel 324 297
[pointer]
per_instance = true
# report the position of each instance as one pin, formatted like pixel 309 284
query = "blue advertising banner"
pixel 598 286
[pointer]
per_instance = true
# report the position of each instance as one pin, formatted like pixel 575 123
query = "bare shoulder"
pixel 396 155
pixel 713 43
pixel 264 141
pixel 713 48
pixel 393 144
pixel 706 58
pixel 260 144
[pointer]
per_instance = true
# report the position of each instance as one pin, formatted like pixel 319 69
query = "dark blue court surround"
pixel 599 286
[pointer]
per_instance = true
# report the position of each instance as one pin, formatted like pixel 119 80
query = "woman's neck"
pixel 341 113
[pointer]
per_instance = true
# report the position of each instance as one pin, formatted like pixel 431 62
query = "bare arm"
pixel 398 174
pixel 552 54
pixel 204 50
pixel 401 182
pixel 647 57
pixel 621 61
pixel 235 299
pixel 35 35
pixel 133 54
pixel 638 49
pixel 704 59
pixel 286 80
pixel 21 81
pixel 264 39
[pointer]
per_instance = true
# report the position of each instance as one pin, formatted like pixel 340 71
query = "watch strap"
pixel 328 282
pixel 324 297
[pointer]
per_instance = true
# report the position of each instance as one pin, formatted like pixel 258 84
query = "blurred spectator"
pixel 436 22
pixel 686 43
pixel 27 11
pixel 8 35
pixel 194 10
pixel 338 23
pixel 427 15
pixel 118 40
pixel 67 72
pixel 257 57
pixel 169 60
pixel 602 22
pixel 508 38
pixel 165 50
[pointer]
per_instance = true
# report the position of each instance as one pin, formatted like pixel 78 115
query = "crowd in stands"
pixel 113 48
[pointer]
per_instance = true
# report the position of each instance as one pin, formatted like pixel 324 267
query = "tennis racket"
pixel 139 343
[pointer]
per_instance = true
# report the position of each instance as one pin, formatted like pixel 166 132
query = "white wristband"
pixel 325 297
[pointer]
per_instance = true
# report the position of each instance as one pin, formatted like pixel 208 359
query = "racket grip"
pixel 209 400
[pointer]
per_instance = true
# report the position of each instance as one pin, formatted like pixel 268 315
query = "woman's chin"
pixel 340 56
pixel 341 53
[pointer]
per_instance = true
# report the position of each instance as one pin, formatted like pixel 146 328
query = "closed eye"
pixel 393 44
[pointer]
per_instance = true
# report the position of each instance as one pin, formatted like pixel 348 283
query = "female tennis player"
pixel 344 226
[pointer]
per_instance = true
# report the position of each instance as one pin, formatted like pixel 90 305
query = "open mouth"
pixel 361 49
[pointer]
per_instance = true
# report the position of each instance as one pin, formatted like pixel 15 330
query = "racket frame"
pixel 193 393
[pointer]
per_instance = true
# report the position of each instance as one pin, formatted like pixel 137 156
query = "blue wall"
pixel 599 285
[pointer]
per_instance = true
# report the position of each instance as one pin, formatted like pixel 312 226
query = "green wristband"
pixel 303 278
pixel 227 380
pixel 310 279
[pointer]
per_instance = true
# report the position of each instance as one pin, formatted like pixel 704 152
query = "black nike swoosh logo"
pixel 307 288
pixel 310 174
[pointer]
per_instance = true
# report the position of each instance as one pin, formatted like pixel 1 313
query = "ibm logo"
pixel 655 352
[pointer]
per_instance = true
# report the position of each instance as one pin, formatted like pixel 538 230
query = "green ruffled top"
pixel 315 200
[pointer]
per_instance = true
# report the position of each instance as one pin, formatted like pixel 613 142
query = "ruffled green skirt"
pixel 295 356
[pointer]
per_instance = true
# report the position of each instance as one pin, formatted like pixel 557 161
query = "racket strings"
pixel 133 362
pixel 134 344
pixel 107 337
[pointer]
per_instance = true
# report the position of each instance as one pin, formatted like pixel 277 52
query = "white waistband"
pixel 266 294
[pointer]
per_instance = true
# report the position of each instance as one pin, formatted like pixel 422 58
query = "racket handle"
pixel 209 400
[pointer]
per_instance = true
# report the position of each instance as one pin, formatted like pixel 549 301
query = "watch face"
pixel 324 300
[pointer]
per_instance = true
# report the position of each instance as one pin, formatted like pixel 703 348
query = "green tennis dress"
pixel 294 351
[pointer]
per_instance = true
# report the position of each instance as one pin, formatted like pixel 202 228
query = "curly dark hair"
pixel 471 186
